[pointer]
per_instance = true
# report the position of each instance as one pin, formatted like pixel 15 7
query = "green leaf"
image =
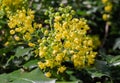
pixel 2 13
pixel 31 64
pixel 116 63
pixel 3 78
pixel 79 12
pixel 3 21
pixel 70 82
pixel 115 59
pixel 102 66
pixel 6 49
pixel 73 78
pixel 98 74
pixel 21 51
pixel 8 61
pixel 117 44
pixel 35 76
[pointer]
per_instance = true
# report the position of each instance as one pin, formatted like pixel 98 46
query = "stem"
pixel 106 34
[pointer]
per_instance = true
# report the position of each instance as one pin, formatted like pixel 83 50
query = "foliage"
pixel 75 43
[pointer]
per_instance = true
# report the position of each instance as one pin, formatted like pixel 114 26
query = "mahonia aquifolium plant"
pixel 65 41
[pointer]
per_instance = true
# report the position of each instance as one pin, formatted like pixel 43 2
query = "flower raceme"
pixel 22 27
pixel 10 6
pixel 66 41
pixel 20 23
pixel 108 6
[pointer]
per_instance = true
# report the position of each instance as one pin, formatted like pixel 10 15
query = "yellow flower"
pixel 74 57
pixel 27 36
pixel 105 17
pixel 48 74
pixel 90 43
pixel 58 37
pixel 41 65
pixel 39 40
pixel 30 12
pixel 67 44
pixel 108 8
pixel 90 61
pixel 21 15
pixel 57 18
pixel 46 32
pixel 76 40
pixel 59 57
pixel 61 69
pixel 18 29
pixel 42 53
pixel 65 24
pixel 17 38
pixel 31 30
pixel 39 25
pixel 36 52
pixel 78 64
pixel 6 43
pixel 31 44
pixel 11 24
pixel 57 25
pixel 12 32
pixel 49 63
pixel 56 47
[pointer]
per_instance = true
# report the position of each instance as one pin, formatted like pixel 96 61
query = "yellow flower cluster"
pixel 15 11
pixel 108 8
pixel 21 23
pixel 12 5
pixel 66 42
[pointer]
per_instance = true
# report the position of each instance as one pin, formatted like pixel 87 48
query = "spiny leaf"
pixel 115 59
pixel 21 51
pixel 31 64
pixel 70 82
pixel 35 76
pixel 117 44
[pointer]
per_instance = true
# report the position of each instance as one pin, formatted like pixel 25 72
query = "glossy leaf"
pixel 70 82
pixel 115 59
pixel 35 76
pixel 21 51
pixel 117 44
pixel 31 64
